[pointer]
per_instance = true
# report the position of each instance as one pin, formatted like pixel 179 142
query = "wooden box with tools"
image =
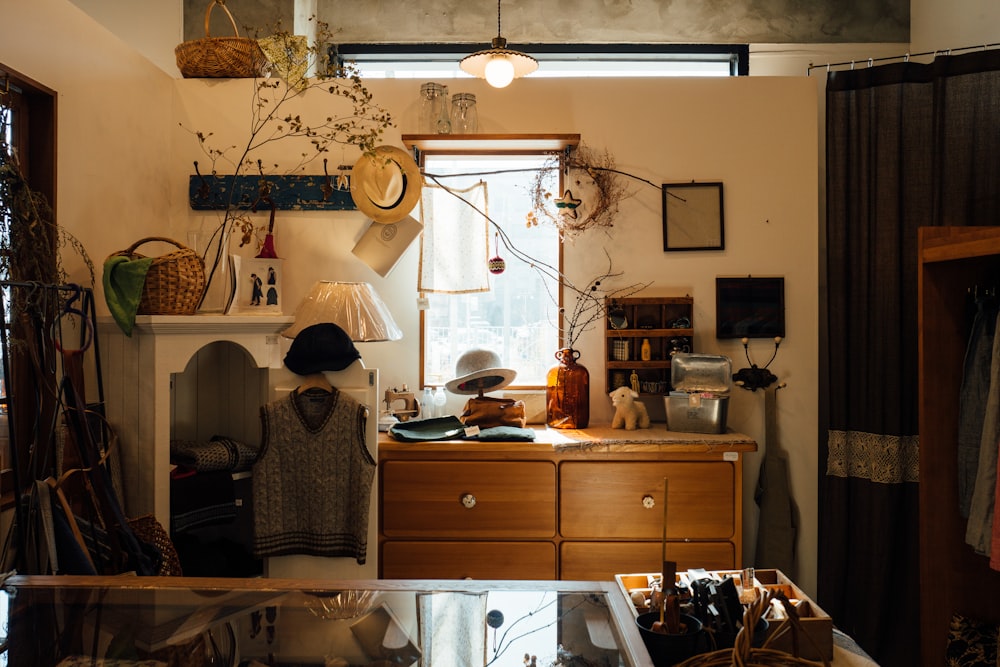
pixel 816 623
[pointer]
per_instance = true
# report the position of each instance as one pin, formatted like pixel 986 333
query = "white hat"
pixel 386 184
pixel 478 371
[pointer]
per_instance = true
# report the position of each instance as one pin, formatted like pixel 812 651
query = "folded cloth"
pixel 203 499
pixel 123 281
pixel 504 434
pixel 217 454
pixel 420 430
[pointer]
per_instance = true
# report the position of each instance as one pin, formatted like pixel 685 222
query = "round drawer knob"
pixel 648 502
pixel 469 501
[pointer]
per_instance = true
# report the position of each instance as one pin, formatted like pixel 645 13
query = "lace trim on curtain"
pixel 886 459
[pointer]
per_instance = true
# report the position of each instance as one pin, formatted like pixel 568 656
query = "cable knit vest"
pixel 313 479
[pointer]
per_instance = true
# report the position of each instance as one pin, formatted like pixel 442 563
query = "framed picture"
pixel 749 307
pixel 692 216
pixel 256 286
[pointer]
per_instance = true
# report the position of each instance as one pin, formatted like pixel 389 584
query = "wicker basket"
pixel 148 529
pixel 743 653
pixel 174 283
pixel 220 57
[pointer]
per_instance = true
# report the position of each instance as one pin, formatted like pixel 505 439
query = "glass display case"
pixel 140 621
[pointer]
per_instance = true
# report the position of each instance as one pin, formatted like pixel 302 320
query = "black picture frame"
pixel 749 307
pixel 693 217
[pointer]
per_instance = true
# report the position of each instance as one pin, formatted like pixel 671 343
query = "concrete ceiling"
pixel 576 21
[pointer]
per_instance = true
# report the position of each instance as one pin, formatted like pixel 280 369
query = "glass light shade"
pixel 354 307
pixel 499 72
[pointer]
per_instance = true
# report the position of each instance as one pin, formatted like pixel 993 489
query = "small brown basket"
pixel 174 283
pixel 744 654
pixel 220 57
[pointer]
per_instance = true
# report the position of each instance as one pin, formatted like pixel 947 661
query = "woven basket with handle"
pixel 220 57
pixel 175 281
pixel 744 654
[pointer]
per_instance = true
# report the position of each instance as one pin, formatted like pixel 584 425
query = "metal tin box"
pixel 696 413
pixel 699 402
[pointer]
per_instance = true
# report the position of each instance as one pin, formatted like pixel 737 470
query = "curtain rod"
pixel 905 57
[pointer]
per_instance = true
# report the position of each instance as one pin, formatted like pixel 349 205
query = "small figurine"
pixel 634 381
pixel 629 413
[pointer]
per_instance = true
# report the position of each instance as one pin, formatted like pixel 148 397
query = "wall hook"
pixel 327 187
pixel 754 377
pixel 204 190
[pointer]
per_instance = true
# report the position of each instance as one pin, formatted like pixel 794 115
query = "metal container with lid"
pixel 691 371
pixel 699 402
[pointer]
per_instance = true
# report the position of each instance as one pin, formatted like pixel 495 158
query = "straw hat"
pixel 479 370
pixel 386 184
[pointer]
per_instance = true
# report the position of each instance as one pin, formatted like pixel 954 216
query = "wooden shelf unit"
pixel 649 318
pixel 952 260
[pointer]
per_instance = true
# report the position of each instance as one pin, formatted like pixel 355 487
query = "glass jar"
pixel 464 117
pixel 567 392
pixel 435 112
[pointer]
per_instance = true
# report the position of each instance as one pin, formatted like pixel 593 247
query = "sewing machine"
pixel 408 408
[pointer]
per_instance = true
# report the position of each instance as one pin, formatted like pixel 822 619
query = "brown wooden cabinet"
pixel 665 323
pixel 579 505
pixel 953 260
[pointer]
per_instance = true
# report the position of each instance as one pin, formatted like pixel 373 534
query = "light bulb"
pixel 499 71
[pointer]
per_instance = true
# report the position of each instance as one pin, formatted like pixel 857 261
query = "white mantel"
pixel 148 403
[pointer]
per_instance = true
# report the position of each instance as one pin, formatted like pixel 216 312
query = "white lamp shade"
pixel 354 307
pixel 481 63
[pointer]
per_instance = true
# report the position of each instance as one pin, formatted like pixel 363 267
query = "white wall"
pixel 758 136
pixel 953 24
pixel 124 163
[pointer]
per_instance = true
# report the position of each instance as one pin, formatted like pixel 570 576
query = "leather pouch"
pixel 487 412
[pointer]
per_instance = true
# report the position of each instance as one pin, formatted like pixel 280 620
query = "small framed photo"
pixel 256 286
pixel 749 307
pixel 693 217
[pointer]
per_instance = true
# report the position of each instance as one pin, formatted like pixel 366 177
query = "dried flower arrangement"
pixel 583 164
pixel 361 124
pixel 27 225
pixel 591 303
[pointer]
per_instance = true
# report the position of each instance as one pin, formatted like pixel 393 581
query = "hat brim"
pixel 363 179
pixel 486 380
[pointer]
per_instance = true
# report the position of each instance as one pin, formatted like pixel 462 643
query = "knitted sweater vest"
pixel 313 479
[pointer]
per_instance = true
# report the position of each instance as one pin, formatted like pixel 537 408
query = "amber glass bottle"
pixel 567 392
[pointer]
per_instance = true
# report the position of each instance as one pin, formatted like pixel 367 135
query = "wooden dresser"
pixel 576 504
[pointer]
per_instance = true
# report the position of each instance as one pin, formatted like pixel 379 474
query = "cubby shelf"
pixel 652 319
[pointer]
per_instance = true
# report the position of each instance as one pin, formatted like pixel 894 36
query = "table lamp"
pixel 354 307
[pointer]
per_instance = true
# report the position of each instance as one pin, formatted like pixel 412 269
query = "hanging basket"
pixel 220 57
pixel 174 283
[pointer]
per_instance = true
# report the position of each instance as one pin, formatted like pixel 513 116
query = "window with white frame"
pixel 518 315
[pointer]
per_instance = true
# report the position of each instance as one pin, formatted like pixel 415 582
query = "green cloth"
pixel 504 434
pixel 420 430
pixel 123 281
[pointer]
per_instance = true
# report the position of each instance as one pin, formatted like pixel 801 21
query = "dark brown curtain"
pixel 907 144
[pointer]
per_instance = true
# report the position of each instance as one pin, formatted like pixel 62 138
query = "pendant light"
pixel 499 65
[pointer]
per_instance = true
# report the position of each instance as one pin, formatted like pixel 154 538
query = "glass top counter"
pixel 152 621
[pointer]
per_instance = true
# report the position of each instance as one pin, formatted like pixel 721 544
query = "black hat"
pixel 321 347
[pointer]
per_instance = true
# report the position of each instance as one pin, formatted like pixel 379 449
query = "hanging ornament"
pixel 566 205
pixel 497 265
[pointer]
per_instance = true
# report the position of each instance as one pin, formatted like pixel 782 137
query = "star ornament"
pixel 567 204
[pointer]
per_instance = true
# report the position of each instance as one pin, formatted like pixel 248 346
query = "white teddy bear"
pixel 629 412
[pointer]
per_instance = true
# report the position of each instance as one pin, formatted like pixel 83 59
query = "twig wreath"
pixel 582 163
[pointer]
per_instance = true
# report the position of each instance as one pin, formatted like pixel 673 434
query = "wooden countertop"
pixel 598 438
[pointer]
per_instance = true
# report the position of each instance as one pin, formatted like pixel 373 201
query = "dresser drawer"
pixel 599 561
pixel 625 500
pixel 468 560
pixel 476 499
